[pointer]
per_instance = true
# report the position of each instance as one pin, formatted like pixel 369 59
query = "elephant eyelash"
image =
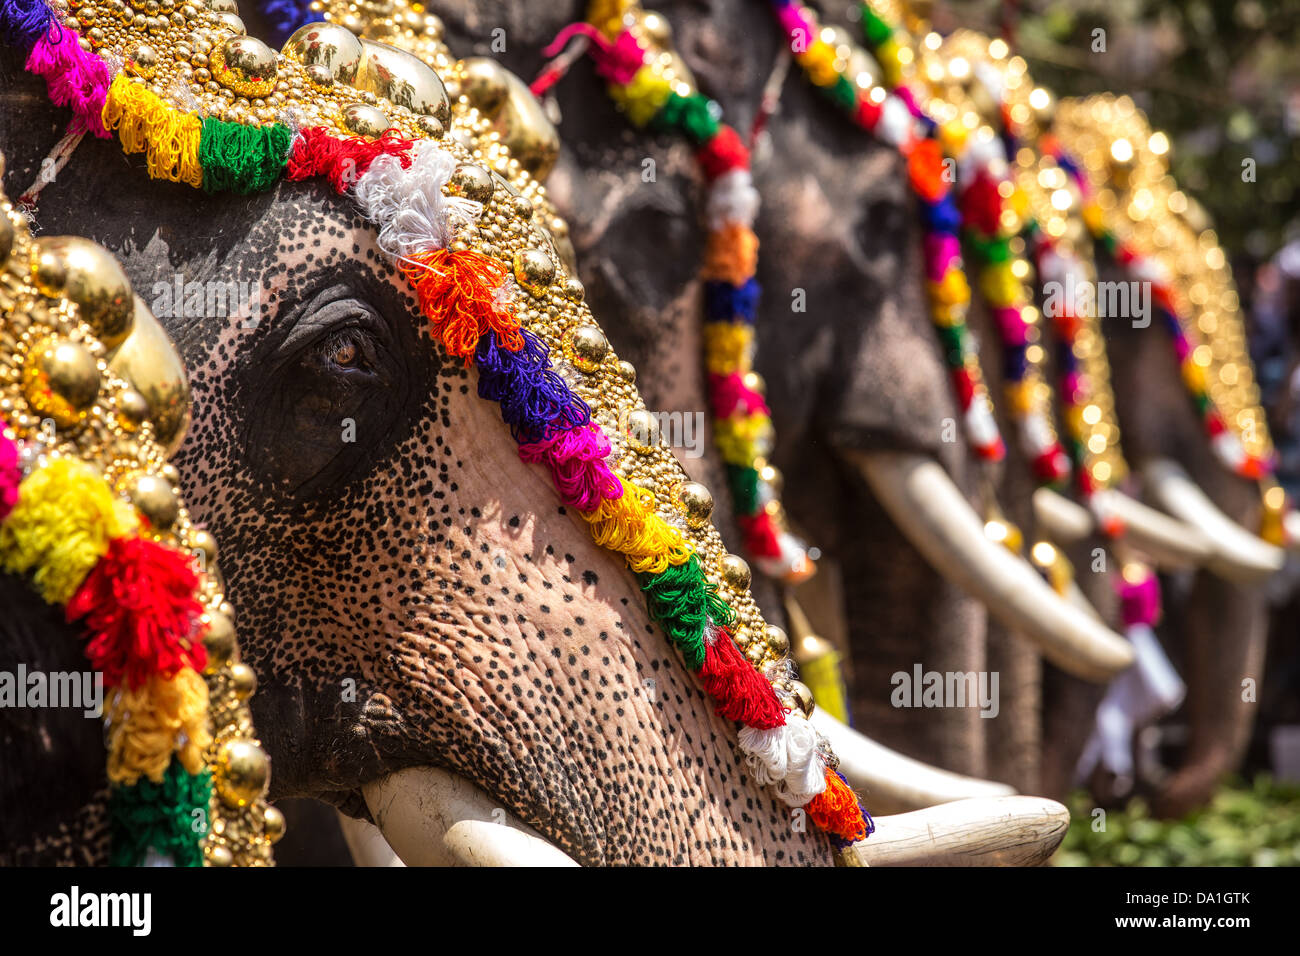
pixel 347 350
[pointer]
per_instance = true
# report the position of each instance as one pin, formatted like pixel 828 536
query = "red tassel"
pixel 139 606
pixel 760 535
pixel 836 810
pixel 741 692
pixel 316 152
pixel 722 154
pixel 458 294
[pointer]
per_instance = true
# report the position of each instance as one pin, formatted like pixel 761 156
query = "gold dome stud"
pixel 155 498
pixel 734 571
pixel 218 640
pixel 573 289
pixel 586 347
pixel 132 409
pixel 803 697
pixel 90 276
pixel 7 234
pixel 696 502
pixel 246 65
pixel 232 22
pixel 330 48
pixel 149 362
pixel 204 542
pixel 776 639
pixel 755 653
pixel 220 856
pixel 61 380
pixel 403 79
pixel 534 270
pixel 641 429
pixel 243 771
pixel 273 824
pixel 366 120
pixel 627 372
pixel 242 681
pixel 483 82
pixel 471 181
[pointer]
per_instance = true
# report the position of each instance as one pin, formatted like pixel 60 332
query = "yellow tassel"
pixel 1000 286
pixel 145 124
pixel 148 725
pixel 642 98
pixel 736 437
pixel 952 289
pixel 61 527
pixel 629 525
pixel 728 347
pixel 819 61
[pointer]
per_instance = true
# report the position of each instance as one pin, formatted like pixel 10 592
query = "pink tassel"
pixel 726 392
pixel 1140 601
pixel 75 78
pixel 10 475
pixel 576 458
pixel 942 250
pixel 1012 326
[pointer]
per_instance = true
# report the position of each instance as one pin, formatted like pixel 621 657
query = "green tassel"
pixel 875 30
pixel 993 249
pixel 242 159
pixel 683 602
pixel 743 481
pixel 689 114
pixel 160 815
pixel 843 93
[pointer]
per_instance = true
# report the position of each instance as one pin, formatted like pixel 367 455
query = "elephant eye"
pixel 345 349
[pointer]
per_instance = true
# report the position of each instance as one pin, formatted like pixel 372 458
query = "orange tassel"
pixel 836 810
pixel 731 254
pixel 458 293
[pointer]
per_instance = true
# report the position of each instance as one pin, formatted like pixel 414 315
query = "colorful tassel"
pixel 146 726
pixel 242 159
pixel 160 816
pixel 741 692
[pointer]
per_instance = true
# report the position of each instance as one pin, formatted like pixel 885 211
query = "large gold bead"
pixel 218 640
pixel 534 270
pixel 207 544
pixel 484 84
pixel 776 639
pixel 366 120
pixel 641 428
pixel 586 347
pixel 403 79
pixel 734 571
pixel 526 131
pixel 61 380
pixel 242 681
pixel 332 47
pixel 243 771
pixel 573 289
pixel 149 362
pixel 132 409
pixel 7 233
pixel 627 372
pixel 223 6
pixel 246 65
pixel 90 276
pixel 804 697
pixel 155 498
pixel 220 856
pixel 696 502
pixel 231 21
pixel 471 181
pixel 273 824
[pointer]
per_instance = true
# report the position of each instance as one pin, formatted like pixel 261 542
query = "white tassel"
pixel 786 757
pixel 408 204
pixel 895 123
pixel 733 199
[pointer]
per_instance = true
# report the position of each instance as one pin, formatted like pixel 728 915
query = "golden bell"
pixel 696 502
pixel 404 79
pixel 246 65
pixel 90 276
pixel 155 498
pixel 329 46
pixel 243 771
pixel 149 362
pixel 586 347
pixel 534 270
pixel 204 542
pixel 273 824
pixel 61 380
pixel 366 120
pixel 734 571
pixel 218 640
pixel 242 681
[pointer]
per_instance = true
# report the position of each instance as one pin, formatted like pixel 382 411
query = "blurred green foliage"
pixel 1245 825
pixel 1221 77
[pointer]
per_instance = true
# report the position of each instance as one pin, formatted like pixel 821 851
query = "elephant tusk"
pixel 892 782
pixel 1169 542
pixel 935 516
pixel 1237 555
pixel 431 817
pixel 366 844
pixel 999 831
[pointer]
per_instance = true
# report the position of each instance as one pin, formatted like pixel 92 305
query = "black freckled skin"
pixel 416 596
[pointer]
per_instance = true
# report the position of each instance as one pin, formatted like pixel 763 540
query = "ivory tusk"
pixel 1000 831
pixel 1236 554
pixel 935 516
pixel 366 844
pixel 432 817
pixel 892 782
pixel 1169 542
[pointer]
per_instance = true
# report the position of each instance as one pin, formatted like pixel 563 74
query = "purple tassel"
pixel 23 22
pixel 535 402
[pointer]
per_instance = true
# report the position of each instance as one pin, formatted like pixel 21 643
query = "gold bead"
pixel 90 276
pixel 6 237
pixel 804 697
pixel 534 270
pixel 231 22
pixel 149 362
pixel 246 65
pixel 755 653
pixel 243 771
pixel 172 474
pixel 573 289
pixel 218 640
pixel 403 79
pixel 366 120
pixel 220 856
pixel 776 639
pixel 242 681
pixel 333 49
pixel 143 61
pixel 734 571
pixel 132 409
pixel 484 84
pixel 471 181
pixel 641 429
pixel 155 498
pixel 273 824
pixel 430 126
pixel 627 372
pixel 204 542
pixel 586 347
pixel 61 380
pixel 696 502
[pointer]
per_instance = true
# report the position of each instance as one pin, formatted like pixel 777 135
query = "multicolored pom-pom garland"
pixel 742 425
pixel 400 185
